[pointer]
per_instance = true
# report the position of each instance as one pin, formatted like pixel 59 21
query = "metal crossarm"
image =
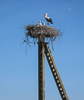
pixel 41 71
pixel 55 73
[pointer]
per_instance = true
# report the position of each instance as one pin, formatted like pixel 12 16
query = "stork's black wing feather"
pixel 49 20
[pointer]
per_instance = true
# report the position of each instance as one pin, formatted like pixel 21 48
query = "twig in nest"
pixel 41 31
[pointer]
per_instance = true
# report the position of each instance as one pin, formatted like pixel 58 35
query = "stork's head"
pixel 39 21
pixel 45 14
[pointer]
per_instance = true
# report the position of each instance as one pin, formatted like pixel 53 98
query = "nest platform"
pixel 37 31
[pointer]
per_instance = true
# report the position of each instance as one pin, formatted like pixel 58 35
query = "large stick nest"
pixel 41 31
pixel 37 31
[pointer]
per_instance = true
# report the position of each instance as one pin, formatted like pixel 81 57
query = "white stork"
pixel 40 23
pixel 48 18
pixel 43 23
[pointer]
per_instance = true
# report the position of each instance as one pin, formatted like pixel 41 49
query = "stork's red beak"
pixel 44 15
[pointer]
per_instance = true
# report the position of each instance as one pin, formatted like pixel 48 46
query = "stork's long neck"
pixel 46 17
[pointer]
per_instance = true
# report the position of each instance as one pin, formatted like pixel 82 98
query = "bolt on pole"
pixel 41 70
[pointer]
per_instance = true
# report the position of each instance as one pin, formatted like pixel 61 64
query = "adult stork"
pixel 48 18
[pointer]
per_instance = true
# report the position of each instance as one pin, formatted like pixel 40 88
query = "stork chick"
pixel 40 23
pixel 43 23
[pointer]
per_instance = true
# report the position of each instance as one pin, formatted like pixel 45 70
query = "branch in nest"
pixel 41 31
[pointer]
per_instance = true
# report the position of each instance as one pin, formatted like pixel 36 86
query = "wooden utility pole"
pixel 41 70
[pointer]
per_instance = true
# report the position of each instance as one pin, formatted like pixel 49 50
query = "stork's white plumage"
pixel 43 23
pixel 40 23
pixel 48 18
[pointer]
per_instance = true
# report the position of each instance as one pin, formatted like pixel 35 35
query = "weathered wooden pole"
pixel 41 70
pixel 55 73
pixel 41 32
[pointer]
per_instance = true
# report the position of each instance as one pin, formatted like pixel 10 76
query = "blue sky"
pixel 19 71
